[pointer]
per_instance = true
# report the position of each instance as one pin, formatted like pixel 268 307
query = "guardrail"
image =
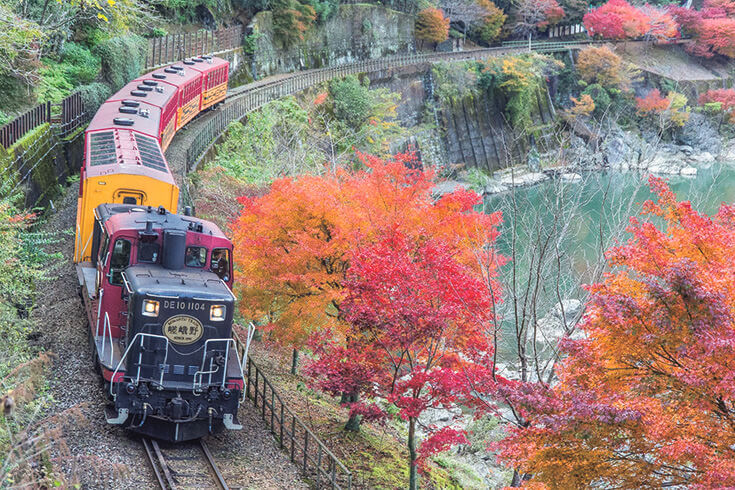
pixel 11 132
pixel 251 97
pixel 304 448
pixel 176 47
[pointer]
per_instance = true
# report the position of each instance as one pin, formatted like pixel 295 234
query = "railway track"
pixel 184 465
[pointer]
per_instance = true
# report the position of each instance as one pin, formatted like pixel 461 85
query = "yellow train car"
pixel 123 164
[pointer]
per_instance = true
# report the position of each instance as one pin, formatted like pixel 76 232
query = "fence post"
pixel 280 440
pixel 306 447
pixel 293 436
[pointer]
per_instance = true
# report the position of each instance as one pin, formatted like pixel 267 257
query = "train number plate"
pixel 183 329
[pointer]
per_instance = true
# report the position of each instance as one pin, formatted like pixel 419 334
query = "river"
pixel 561 228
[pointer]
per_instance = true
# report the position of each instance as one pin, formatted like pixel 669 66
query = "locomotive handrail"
pixel 127 351
pixel 202 372
pixel 106 328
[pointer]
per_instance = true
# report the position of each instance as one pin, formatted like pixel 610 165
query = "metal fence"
pixel 305 449
pixel 251 97
pixel 176 47
pixel 15 129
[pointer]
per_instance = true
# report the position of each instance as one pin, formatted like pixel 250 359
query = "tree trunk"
pixel 353 423
pixel 517 479
pixel 412 483
pixel 294 361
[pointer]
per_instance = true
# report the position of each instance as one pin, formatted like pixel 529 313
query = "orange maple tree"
pixel 647 400
pixel 601 65
pixel 432 25
pixel 292 245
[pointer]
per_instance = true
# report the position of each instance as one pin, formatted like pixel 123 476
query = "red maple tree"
pixel 724 97
pixel 648 398
pixel 617 19
pixel 418 318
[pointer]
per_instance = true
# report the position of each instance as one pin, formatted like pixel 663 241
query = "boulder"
pixel 700 158
pixel 523 179
pixel 699 133
pixel 688 171
pixel 447 187
pixel 494 187
pixel 664 163
pixel 571 177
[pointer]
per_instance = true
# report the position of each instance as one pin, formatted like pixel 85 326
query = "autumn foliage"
pixel 617 19
pixel 724 99
pixel 292 245
pixel 418 318
pixel 648 398
pixel 601 65
pixel 666 111
pixel 432 25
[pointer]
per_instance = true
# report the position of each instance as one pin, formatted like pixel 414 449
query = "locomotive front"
pixel 179 376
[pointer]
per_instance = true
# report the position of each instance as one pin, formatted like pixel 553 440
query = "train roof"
pixel 177 74
pixel 205 64
pixel 154 279
pixel 148 90
pixel 134 217
pixel 123 114
pixel 112 151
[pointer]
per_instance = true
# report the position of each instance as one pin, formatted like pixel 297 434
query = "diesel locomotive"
pixel 156 285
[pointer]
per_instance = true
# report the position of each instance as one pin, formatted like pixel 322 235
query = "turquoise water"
pixel 561 229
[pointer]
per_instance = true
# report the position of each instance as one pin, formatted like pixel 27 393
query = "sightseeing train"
pixel 156 285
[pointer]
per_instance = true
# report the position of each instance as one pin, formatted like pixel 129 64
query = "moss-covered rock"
pixel 355 32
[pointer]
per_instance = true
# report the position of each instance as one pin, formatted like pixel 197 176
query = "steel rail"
pixel 219 479
pixel 165 481
pixel 163 474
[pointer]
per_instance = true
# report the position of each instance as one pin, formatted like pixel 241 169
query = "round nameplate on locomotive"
pixel 183 329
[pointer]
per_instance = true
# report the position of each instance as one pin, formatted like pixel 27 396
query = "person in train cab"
pixel 220 265
pixel 194 257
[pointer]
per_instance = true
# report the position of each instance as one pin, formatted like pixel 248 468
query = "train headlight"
pixel 150 307
pixel 217 313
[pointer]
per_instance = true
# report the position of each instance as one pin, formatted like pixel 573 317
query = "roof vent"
pixel 206 57
pixel 138 93
pixel 128 110
pixel 159 90
pixel 150 83
pixel 187 62
pixel 145 88
pixel 197 60
pixel 170 70
pixel 145 113
pixel 159 76
pixel 177 67
pixel 130 103
pixel 123 121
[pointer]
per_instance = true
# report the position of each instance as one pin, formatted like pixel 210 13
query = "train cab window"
pixel 220 263
pixel 148 252
pixel 119 261
pixel 195 257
